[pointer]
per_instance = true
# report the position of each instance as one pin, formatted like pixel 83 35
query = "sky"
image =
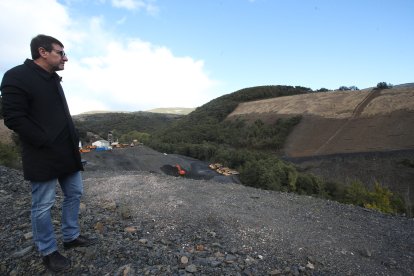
pixel 136 55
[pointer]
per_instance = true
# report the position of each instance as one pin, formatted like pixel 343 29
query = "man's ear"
pixel 42 52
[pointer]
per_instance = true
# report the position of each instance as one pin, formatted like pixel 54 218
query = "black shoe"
pixel 80 241
pixel 56 262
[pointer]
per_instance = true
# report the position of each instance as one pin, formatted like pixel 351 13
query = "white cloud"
pixel 138 76
pixel 104 72
pixel 21 20
pixel 121 20
pixel 136 5
pixel 128 4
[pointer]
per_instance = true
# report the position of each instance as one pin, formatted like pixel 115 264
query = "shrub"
pixel 407 162
pixel 334 190
pixel 9 156
pixel 269 173
pixel 261 174
pixel 356 194
pixel 380 199
pixel 309 184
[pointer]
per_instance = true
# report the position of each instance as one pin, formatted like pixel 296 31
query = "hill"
pixel 370 120
pixel 172 110
pixel 348 136
pixel 122 123
pixel 167 110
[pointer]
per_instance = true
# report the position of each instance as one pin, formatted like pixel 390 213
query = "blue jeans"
pixel 43 199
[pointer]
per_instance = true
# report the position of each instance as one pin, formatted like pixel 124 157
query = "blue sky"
pixel 135 55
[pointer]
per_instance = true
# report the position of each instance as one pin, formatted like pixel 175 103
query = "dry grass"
pixel 342 122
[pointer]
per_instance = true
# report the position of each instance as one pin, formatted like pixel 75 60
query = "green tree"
pixel 269 173
pixel 384 85
pixel 129 137
pixel 344 88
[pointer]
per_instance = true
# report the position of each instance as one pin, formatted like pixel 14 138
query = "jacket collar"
pixel 42 72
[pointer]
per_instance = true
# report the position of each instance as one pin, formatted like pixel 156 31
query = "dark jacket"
pixel 34 106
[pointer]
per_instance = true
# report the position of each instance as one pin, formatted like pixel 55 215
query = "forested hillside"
pixel 206 123
pixel 122 123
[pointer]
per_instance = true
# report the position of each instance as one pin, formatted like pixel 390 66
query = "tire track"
pixel 355 114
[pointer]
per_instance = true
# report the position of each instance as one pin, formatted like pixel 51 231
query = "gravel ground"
pixel 149 223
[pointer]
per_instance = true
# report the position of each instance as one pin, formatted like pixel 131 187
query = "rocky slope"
pixel 154 224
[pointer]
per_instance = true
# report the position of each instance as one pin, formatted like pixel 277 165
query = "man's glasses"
pixel 61 53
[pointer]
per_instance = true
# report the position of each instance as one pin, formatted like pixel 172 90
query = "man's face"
pixel 56 58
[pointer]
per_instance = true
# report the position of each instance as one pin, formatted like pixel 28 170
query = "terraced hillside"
pixel 369 120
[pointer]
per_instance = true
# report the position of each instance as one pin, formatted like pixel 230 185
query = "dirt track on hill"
pixel 341 122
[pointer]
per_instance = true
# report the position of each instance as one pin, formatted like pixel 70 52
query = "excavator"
pixel 180 171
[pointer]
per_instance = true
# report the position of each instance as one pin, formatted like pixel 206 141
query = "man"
pixel 34 106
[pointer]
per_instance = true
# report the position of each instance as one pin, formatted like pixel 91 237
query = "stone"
pixel 249 260
pixel 366 252
pixel 99 227
pixel 22 252
pixel 218 254
pixel 310 266
pixel 125 270
pixel 131 229
pixel 215 263
pixel 215 244
pixel 28 235
pixel 143 241
pixel 275 272
pixel 82 208
pixel 125 212
pixel 184 260
pixel 110 205
pixel 191 268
